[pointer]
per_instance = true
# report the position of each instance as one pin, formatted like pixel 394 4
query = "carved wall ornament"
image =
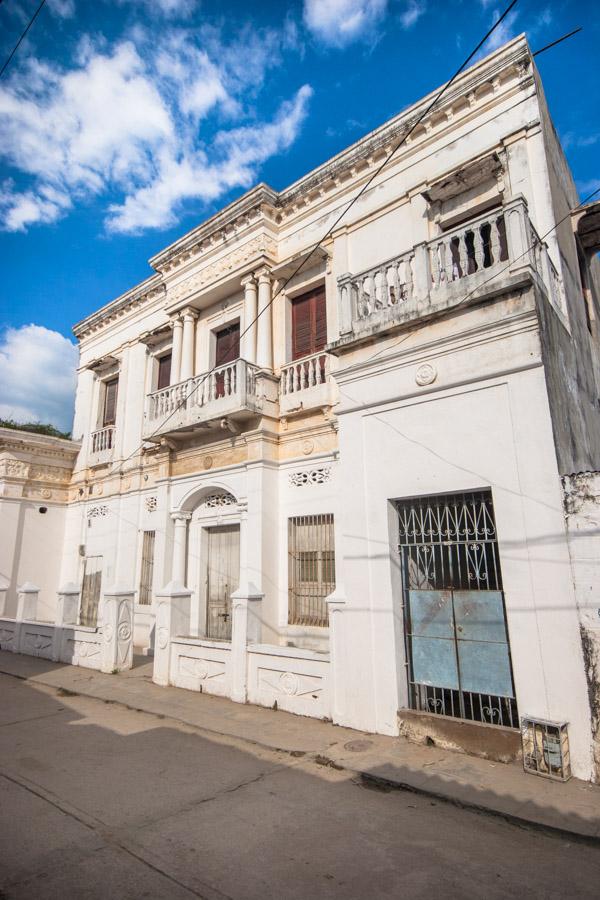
pixel 425 374
pixel 217 500
pixel 95 512
pixel 207 462
pixel 16 468
pixel 308 447
pixel 151 504
pixel 310 476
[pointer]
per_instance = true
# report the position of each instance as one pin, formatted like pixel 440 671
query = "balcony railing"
pixel 233 389
pixel 306 383
pixel 442 272
pixel 102 445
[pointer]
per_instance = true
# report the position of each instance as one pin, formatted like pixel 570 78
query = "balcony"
pixel 306 384
pixel 488 255
pixel 102 443
pixel 224 397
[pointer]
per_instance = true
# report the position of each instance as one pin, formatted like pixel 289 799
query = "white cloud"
pixel 62 8
pixel 191 175
pixel 170 8
pixel 130 121
pixel 37 376
pixel 337 23
pixel 412 13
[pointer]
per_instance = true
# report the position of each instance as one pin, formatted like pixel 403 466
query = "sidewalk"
pixel 384 763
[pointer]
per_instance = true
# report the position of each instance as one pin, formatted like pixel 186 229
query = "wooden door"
pixel 227 350
pixel 222 579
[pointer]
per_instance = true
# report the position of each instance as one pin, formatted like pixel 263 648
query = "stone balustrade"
pixel 102 444
pixel 306 383
pixel 438 274
pixel 236 387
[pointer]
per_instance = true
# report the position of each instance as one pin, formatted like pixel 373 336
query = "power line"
pixel 336 222
pixel 22 38
pixel 558 41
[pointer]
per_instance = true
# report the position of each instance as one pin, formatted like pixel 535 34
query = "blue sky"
pixel 123 123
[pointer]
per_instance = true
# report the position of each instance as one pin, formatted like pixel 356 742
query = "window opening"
pixel 311 568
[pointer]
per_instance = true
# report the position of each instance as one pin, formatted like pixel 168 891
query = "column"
pixel 178 573
pixel 177 326
pixel 248 348
pixel 187 351
pixel 264 336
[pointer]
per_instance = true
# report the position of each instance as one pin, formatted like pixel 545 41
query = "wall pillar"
pixel 187 349
pixel 264 334
pixel 337 654
pixel 178 570
pixel 67 611
pixel 172 619
pixel 117 630
pixel 246 605
pixel 248 347
pixel 177 326
pixel 27 604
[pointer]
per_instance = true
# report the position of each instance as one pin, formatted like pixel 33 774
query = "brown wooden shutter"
pixel 164 372
pixel 227 344
pixel 110 402
pixel 309 323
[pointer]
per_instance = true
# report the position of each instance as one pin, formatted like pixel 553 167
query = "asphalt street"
pixel 98 801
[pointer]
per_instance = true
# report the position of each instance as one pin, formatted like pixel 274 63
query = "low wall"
pixel 109 647
pixel 295 680
pixel 75 645
pixel 201 665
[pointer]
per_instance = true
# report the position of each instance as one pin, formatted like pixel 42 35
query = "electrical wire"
pixel 22 38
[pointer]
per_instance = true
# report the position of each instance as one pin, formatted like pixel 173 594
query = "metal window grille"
pixel 90 591
pixel 311 568
pixel 454 618
pixel 147 572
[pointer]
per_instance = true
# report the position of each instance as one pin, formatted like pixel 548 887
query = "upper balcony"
pixel 102 445
pixel 483 257
pixel 222 397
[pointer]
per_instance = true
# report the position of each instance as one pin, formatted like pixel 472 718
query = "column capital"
pixel 248 280
pixel 181 516
pixel 264 275
pixel 189 313
pixel 176 321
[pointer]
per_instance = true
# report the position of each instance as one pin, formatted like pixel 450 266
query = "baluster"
pixel 385 294
pixel 495 246
pixel 479 243
pixel 373 291
pixel 296 378
pixel 312 374
pixel 462 255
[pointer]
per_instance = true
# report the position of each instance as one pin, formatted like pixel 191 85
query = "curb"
pixel 362 777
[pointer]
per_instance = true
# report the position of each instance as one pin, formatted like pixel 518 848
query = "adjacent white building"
pixel 367 456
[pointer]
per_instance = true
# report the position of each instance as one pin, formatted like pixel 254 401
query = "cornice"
pixel 12 440
pixel 135 297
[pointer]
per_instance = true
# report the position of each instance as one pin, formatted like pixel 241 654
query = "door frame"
pixel 202 520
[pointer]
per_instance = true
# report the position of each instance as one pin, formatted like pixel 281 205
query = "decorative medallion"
pixel 289 683
pixel 162 637
pixel 46 494
pixel 207 462
pixel 426 374
pixel 308 447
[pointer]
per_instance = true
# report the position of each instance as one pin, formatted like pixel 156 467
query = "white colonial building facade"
pixel 336 486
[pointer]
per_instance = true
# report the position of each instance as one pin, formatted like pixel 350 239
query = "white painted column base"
pixel 172 619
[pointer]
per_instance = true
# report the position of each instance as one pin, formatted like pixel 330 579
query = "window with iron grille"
pixel 147 572
pixel 311 568
pixel 455 622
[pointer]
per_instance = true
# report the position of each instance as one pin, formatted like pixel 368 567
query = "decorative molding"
pixel 310 476
pixel 263 244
